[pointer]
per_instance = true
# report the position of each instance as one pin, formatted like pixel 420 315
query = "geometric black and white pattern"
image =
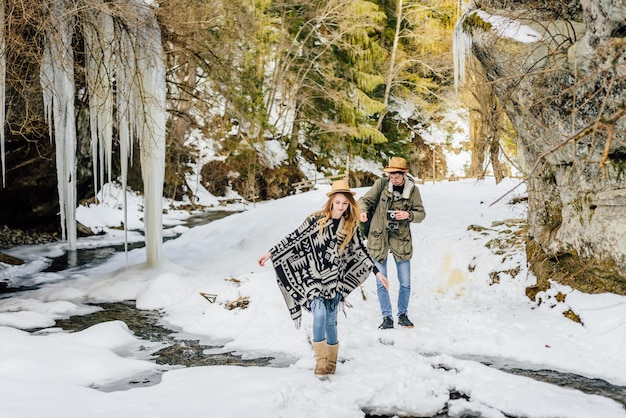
pixel 308 264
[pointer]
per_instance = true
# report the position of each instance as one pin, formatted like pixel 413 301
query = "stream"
pixel 186 351
pixel 174 350
pixel 94 256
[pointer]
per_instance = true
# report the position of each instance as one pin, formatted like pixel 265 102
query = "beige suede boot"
pixel 321 354
pixel 331 364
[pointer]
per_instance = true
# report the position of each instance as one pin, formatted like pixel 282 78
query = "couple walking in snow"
pixel 320 263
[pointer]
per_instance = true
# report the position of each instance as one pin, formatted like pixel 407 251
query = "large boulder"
pixel 564 93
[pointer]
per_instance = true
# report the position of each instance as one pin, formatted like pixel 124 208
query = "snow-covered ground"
pixel 468 304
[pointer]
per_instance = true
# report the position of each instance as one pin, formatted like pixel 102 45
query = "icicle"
pixel 151 120
pixel 46 78
pixel 461 50
pixel 57 79
pixel 124 70
pixel 141 111
pixel 3 69
pixel 136 67
pixel 99 38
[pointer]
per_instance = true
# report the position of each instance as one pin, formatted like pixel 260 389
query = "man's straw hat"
pixel 396 164
pixel 340 186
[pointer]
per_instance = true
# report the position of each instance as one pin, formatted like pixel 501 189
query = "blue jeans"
pixel 404 277
pixel 325 320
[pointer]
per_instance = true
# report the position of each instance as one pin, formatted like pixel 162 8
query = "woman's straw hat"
pixel 340 186
pixel 396 164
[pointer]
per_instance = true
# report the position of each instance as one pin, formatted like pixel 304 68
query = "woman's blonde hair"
pixel 351 217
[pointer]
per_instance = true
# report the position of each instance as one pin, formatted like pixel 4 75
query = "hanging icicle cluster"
pixel 57 80
pixel 125 83
pixel 461 49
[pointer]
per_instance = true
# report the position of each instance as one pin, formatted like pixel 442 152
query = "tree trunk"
pixel 392 64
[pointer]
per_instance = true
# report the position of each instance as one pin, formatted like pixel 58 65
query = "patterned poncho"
pixel 308 264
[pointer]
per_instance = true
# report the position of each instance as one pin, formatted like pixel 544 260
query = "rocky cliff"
pixel 564 93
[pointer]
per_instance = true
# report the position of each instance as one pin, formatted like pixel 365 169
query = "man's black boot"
pixel 387 323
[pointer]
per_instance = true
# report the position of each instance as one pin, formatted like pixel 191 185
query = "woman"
pixel 319 264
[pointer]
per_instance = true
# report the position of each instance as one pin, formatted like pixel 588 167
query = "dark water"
pixel 207 217
pixel 171 351
pixel 94 256
pixel 568 380
pixel 87 257
pixel 174 352
pixel 574 381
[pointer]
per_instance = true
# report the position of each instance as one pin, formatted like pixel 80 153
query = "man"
pixel 396 203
